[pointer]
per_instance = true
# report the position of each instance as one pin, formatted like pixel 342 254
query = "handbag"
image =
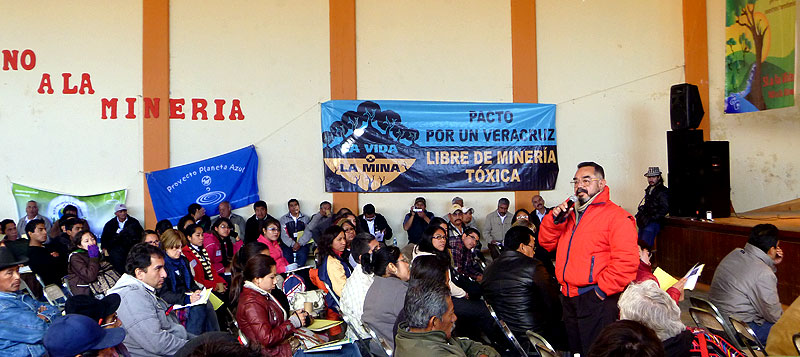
pixel 106 278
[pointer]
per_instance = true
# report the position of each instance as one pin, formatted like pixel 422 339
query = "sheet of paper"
pixel 693 275
pixel 330 346
pixel 321 324
pixel 215 301
pixel 664 279
pixel 204 295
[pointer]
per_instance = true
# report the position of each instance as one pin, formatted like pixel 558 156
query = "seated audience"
pixel 522 292
pixel 119 235
pixel 23 320
pixel 151 331
pixel 255 223
pixel 319 221
pixel 102 312
pixel 89 274
pixel 152 237
pixel 434 242
pixel 219 245
pixel 198 258
pixel 521 214
pixel 780 340
pixel 646 303
pixel 356 286
pixel 384 299
pixel 349 234
pixel 332 265
pixel 261 318
pixel 198 214
pixel 416 220
pixel 179 287
pixel 9 230
pixel 32 213
pixel 645 272
pixel 44 259
pixel 92 340
pixel 455 227
pixel 744 284
pixel 162 226
pixel 497 223
pixel 375 224
pixel 271 237
pixel 465 260
pixel 241 257
pixel 238 221
pixel 429 323
pixel 70 227
pixel 626 339
pixel 184 222
pixel 293 238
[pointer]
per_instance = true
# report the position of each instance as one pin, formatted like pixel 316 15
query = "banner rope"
pixel 624 84
pixel 255 143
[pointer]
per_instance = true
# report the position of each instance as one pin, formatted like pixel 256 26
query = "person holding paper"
pixel 261 318
pixel 294 241
pixel 180 289
pixel 745 286
pixel 375 224
pixel 645 272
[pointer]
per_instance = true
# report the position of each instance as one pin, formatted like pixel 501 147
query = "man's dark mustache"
pixel 579 190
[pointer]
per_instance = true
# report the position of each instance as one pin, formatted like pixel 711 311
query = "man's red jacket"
pixel 598 252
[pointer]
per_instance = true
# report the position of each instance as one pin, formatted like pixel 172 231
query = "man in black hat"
pixel 103 311
pixel 23 320
pixel 653 207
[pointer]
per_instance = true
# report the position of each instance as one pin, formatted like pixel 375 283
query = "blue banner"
pixel 231 177
pixel 405 146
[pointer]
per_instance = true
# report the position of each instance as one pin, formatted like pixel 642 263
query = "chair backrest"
pixel 796 339
pixel 506 330
pixel 706 319
pixel 748 335
pixel 51 292
pixel 543 348
pixel 727 330
pixel 65 282
pixel 387 349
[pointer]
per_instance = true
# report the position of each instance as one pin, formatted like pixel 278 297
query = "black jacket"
pixel 654 205
pixel 178 295
pixel 118 244
pixel 380 224
pixel 252 228
pixel 524 295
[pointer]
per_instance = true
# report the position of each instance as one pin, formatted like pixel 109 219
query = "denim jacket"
pixel 21 330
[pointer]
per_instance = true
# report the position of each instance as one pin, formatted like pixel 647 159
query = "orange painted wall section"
pixel 524 71
pixel 343 71
pixel 155 84
pixel 695 53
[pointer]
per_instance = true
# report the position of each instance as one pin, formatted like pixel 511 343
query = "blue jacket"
pixel 21 330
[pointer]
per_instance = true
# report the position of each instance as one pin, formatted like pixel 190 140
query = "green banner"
pixel 759 55
pixel 95 209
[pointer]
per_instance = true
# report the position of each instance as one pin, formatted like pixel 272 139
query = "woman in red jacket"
pixel 261 318
pixel 219 245
pixel 199 260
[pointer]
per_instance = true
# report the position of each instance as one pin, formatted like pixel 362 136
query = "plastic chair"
pixel 796 339
pixel 543 348
pixel 387 349
pixel 506 330
pixel 727 330
pixel 748 336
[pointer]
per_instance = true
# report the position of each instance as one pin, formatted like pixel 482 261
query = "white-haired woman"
pixel 645 302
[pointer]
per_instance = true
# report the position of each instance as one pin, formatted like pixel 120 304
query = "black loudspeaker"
pixel 685 107
pixel 699 175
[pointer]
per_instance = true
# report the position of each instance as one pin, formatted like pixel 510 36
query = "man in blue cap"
pixel 76 335
pixel 23 320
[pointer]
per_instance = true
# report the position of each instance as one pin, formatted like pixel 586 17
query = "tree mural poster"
pixel 407 146
pixel 759 55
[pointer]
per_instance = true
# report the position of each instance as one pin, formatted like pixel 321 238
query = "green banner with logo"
pixel 95 209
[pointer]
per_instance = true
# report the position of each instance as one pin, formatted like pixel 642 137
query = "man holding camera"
pixel 416 220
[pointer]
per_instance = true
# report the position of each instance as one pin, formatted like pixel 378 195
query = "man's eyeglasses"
pixel 584 181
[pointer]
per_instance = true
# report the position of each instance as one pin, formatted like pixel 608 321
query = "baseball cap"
pixel 120 207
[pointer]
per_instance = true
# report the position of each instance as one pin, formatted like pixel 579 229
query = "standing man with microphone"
pixel 597 255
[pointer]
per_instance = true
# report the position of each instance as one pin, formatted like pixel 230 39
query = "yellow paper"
pixel 664 279
pixel 321 324
pixel 215 301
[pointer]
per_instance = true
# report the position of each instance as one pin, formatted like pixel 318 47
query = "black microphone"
pixel 563 215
